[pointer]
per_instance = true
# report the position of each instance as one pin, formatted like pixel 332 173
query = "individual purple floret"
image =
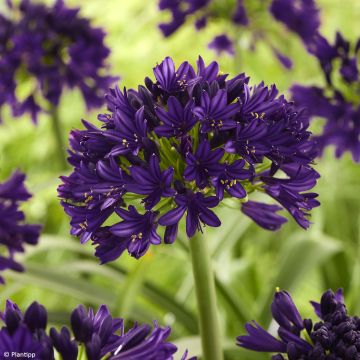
pixel 222 43
pixel 264 215
pixel 98 334
pixel 338 101
pixel 335 336
pixel 52 48
pixel 14 233
pixel 178 147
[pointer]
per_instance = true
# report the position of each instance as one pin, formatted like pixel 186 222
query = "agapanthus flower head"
pixel 50 49
pixel 14 232
pixel 335 335
pixel 178 147
pixel 338 101
pixel 249 16
pixel 98 333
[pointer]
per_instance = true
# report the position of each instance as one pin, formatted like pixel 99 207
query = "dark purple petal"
pixel 264 215
pixel 260 340
pixel 285 312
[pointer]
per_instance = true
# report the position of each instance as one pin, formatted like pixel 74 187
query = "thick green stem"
pixel 206 299
pixel 60 148
pixel 82 353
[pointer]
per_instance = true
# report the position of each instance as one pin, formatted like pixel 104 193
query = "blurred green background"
pixel 249 261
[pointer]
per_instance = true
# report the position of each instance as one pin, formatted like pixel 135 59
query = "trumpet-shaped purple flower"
pixel 145 342
pixel 264 215
pixel 126 134
pixel 228 180
pixel 177 121
pixel 55 48
pixel 137 230
pixel 96 331
pixel 101 184
pixel 203 164
pixel 170 80
pixel 100 188
pixel 179 146
pixel 285 312
pixel 151 181
pixel 215 113
pixel 260 340
pixel 197 208
pixel 63 343
pixel 108 246
pixel 289 192
pixel 86 221
pixel 14 234
pixel 99 333
pixel 335 336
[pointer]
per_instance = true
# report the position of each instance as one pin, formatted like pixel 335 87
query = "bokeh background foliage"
pixel 249 261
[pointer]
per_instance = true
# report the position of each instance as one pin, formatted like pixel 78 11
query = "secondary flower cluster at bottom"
pixel 99 335
pixel 336 336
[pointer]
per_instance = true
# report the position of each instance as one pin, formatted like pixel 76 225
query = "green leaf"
pixel 166 301
pixel 151 292
pixel 231 300
pixel 231 234
pixel 131 287
pixel 298 257
pixel 57 281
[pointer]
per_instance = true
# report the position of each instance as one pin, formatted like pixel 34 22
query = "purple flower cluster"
pixel 99 334
pixel 14 234
pixel 180 146
pixel 47 49
pixel 338 101
pixel 335 336
pixel 203 11
pixel 299 16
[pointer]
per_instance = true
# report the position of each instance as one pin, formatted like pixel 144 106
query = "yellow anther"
pixel 136 236
pixel 88 198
